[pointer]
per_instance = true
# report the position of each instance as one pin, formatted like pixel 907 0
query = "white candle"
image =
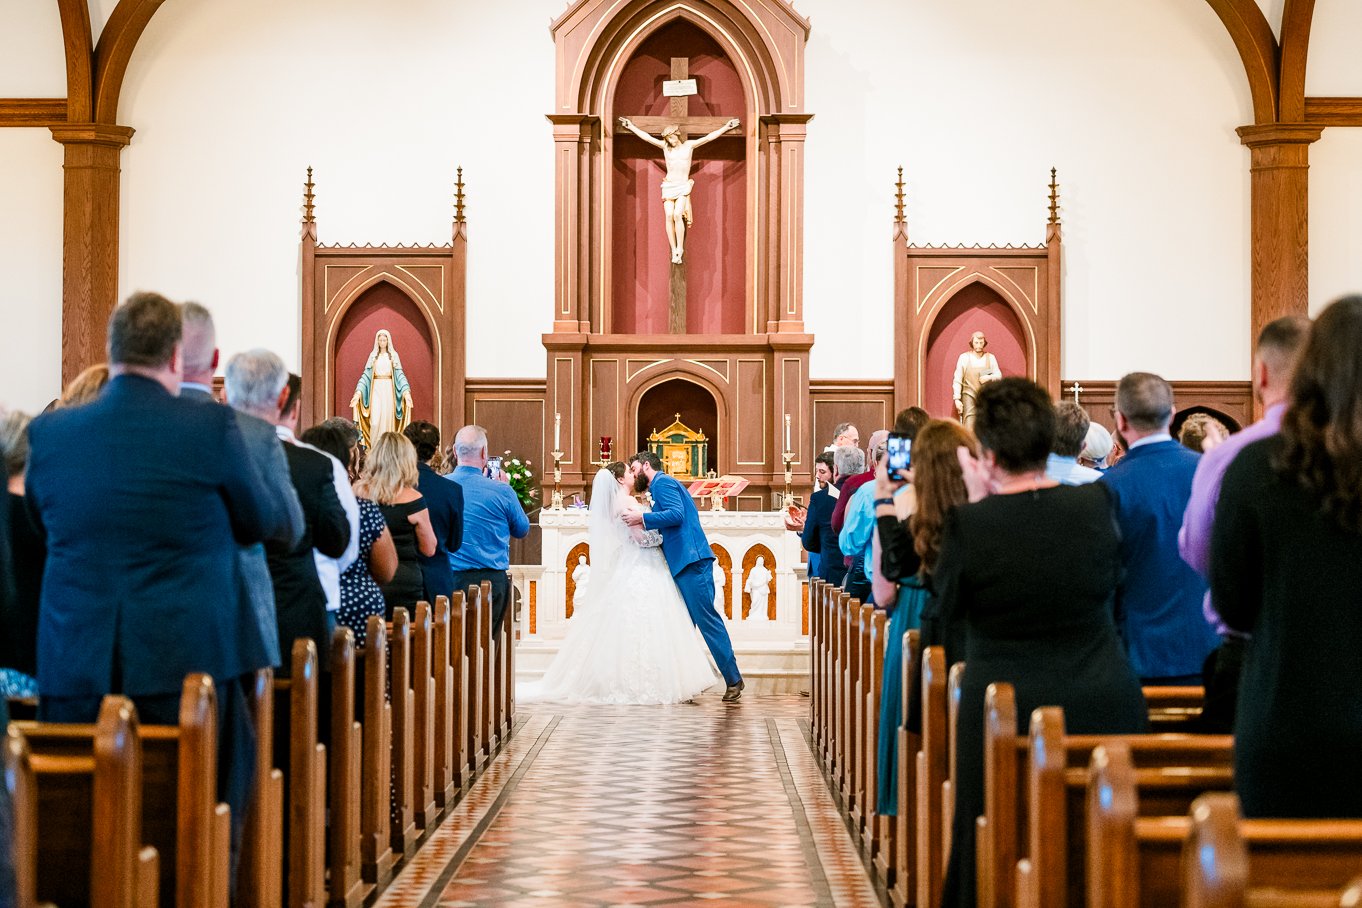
pixel 557 431
pixel 787 431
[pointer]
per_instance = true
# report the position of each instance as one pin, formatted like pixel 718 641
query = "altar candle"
pixel 787 431
pixel 557 429
pixel 605 446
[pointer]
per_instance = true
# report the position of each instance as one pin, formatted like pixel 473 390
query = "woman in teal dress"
pixel 908 537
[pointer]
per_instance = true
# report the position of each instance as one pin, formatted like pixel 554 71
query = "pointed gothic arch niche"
pixel 696 405
pixel 974 307
pixel 716 244
pixel 385 306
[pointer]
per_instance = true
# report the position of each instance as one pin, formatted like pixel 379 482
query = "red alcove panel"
pixel 716 248
pixel 976 307
pixel 385 306
pixel 660 404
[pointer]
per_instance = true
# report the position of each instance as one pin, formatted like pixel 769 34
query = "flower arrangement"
pixel 521 479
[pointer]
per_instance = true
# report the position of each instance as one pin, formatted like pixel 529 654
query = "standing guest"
pixel 1274 364
pixel 844 434
pixel 1071 432
pixel 258 627
pixel 259 385
pixel 143 498
pixel 910 421
pixel 1096 448
pixel 444 501
pixel 856 539
pixel 86 386
pixel 27 554
pixel 1158 604
pixel 389 479
pixel 1201 432
pixel 877 440
pixel 1028 573
pixel 905 513
pixel 353 461
pixel 492 515
pixel 819 512
pixel 847 461
pixel 361 591
pixel 1286 567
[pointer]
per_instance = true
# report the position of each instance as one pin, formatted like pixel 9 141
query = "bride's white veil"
pixel 606 532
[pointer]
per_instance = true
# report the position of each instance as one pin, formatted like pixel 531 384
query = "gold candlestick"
pixel 556 503
pixel 787 500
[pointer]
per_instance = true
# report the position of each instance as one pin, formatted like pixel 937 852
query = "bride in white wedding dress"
pixel 630 639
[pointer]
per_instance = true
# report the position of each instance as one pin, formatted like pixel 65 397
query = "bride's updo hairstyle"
pixel 617 469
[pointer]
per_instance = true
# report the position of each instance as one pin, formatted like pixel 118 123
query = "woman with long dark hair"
pixel 1286 567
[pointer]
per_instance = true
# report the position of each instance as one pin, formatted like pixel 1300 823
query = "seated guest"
pixel 1029 572
pixel 444 500
pixel 1274 363
pixel 143 498
pixel 818 535
pixel 258 384
pixel 1158 603
pixel 491 516
pixel 86 386
pixel 1201 432
pixel 1096 448
pixel 389 479
pixel 19 617
pixel 908 522
pixel 1286 568
pixel 1071 431
pixel 360 583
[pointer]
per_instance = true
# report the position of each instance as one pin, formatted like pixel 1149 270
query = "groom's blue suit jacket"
pixel 674 514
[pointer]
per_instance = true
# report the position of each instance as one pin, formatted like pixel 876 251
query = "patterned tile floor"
pixel 695 804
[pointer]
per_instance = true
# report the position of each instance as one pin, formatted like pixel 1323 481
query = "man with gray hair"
pixel 492 515
pixel 1158 601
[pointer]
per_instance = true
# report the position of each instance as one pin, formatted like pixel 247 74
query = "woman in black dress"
pixel 1024 591
pixel 389 480
pixel 1286 567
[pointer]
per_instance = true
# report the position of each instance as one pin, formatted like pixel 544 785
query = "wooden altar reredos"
pixel 744 343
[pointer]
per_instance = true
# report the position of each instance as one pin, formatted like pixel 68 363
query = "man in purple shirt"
pixel 1274 361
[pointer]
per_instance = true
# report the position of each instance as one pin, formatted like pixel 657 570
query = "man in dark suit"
pixel 444 501
pixel 143 499
pixel 818 537
pixel 690 559
pixel 1158 601
pixel 259 631
pixel 259 385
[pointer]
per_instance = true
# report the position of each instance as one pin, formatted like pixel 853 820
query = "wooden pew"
pixel 181 816
pixel 931 776
pixel 402 826
pixel 445 749
pixel 896 863
pixel 16 773
pixel 508 636
pixel 473 735
pixel 851 669
pixel 296 733
pixel 460 680
pixel 816 666
pixel 1174 709
pixel 873 834
pixel 89 814
pixel 346 884
pixel 861 621
pixel 954 680
pixel 487 674
pixel 1170 770
pixel 1221 868
pixel 1134 859
pixel 376 853
pixel 423 730
pixel 260 879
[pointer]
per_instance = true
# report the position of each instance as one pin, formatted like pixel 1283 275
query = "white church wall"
pixel 1335 216
pixel 233 101
pixel 1334 68
pixel 32 61
pixel 1135 103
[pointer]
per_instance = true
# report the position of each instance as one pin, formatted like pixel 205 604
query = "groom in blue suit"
pixel 689 556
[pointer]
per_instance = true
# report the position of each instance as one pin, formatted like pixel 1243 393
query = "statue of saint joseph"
pixel 677 184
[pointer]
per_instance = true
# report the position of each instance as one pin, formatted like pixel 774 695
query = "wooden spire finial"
pixel 458 197
pixel 308 196
pixel 1054 198
pixel 898 199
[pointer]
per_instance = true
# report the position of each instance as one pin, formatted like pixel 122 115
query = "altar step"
pixel 767 667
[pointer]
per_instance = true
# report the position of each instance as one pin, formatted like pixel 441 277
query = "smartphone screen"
pixel 898 450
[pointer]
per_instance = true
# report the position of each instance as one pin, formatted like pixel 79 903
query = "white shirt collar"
pixel 1150 440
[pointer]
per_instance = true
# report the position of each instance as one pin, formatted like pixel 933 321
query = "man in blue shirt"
pixel 1071 432
pixel 491 516
pixel 1158 601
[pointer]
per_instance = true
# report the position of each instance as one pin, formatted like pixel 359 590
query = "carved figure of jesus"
pixel 677 184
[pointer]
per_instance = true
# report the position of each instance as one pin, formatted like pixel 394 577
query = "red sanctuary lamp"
pixel 605 450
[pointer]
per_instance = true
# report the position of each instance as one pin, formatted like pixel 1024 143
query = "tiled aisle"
pixel 701 804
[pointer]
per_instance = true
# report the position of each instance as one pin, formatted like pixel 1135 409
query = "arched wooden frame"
pixel 570 565
pixel 725 561
pixel 749 561
pixel 941 297
pixel 680 372
pixel 335 277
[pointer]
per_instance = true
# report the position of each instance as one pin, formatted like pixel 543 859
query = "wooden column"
pixel 574 138
pixel 90 239
pixel 1280 160
pixel 784 136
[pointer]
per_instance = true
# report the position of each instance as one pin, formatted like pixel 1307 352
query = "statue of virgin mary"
pixel 382 401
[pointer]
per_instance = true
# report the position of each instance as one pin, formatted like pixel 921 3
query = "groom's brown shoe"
pixel 733 692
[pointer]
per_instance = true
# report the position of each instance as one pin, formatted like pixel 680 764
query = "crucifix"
pixel 677 149
pixel 1077 389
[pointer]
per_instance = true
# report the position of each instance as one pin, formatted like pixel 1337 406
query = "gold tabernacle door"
pixel 684 451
